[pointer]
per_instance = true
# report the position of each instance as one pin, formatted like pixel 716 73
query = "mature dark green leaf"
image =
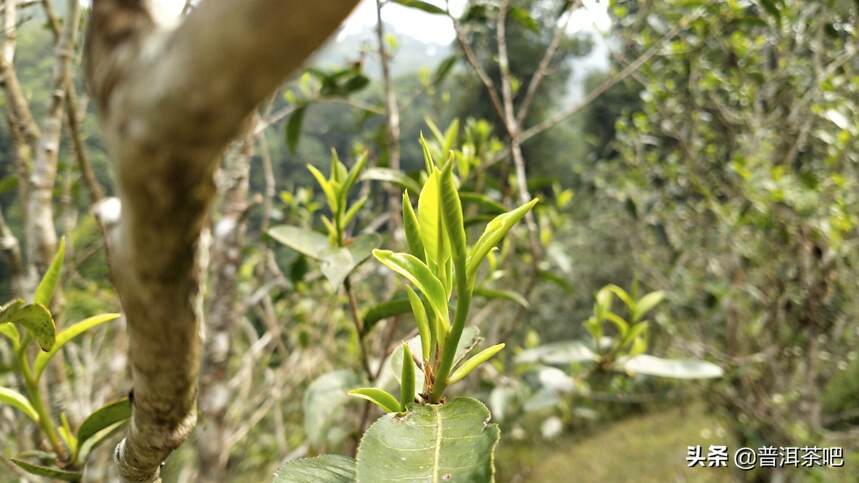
pixel 302 240
pixel 355 84
pixel 66 335
pixel 45 290
pixel 771 8
pixel 293 127
pixel 670 368
pixel 431 443
pixel 338 263
pixel 323 403
pixel 421 5
pixel 321 469
pixel 392 176
pixel 103 418
pixel 443 69
pixel 85 448
pixel 558 353
pixel 37 319
pixel 47 471
pixel 396 306
pixel 486 203
pixel 510 295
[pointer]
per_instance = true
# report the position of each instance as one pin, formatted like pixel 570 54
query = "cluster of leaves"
pixel 440 266
pixel 617 345
pixel 338 254
pixel 69 448
pixel 439 260
pixel 746 181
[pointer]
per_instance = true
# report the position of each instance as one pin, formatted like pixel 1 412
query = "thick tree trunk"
pixel 224 311
pixel 170 101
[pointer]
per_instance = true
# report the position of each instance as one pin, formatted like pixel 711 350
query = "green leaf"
pixel 45 290
pixel 338 263
pixel 510 295
pixel 293 127
pixel 474 362
pixel 670 368
pixel 443 69
pixel 558 353
pixel 636 333
pixel 328 188
pixel 431 443
pixel 8 330
pixel 19 402
pixel 424 330
pixel 453 226
pixel 103 418
pixel 646 304
pixel 395 176
pixel 430 221
pixel 67 434
pixel 421 5
pixel 323 404
pixel 412 229
pixel 95 440
pixel 37 319
pixel 621 294
pixel 622 325
pixel 494 232
pixel 352 211
pixel 771 8
pixel 321 469
pixel 302 240
pixel 356 171
pixel 523 18
pixel 395 306
pixel 482 201
pixel 469 339
pixel 416 272
pixel 47 471
pixel 407 379
pixel 66 335
pixel 379 397
pixel 355 84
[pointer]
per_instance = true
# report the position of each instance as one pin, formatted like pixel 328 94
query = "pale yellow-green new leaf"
pixel 492 235
pixel 430 224
pixel 474 362
pixel 19 402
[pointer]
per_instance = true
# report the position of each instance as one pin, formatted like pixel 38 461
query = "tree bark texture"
pixel 224 310
pixel 170 101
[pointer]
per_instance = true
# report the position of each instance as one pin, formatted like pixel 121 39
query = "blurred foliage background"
pixel 705 149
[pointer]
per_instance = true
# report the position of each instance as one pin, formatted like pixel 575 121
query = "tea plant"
pixel 68 449
pixel 425 436
pixel 618 343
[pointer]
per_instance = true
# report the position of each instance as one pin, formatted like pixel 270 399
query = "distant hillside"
pixel 410 55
